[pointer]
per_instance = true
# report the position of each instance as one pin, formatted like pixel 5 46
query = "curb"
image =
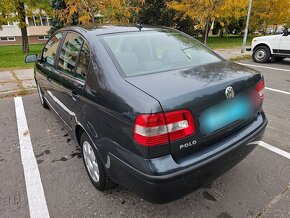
pixel 17 92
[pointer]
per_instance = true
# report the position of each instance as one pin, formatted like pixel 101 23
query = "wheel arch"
pixel 79 130
pixel 264 44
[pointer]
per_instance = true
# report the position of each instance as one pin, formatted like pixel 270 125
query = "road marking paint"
pixel 274 149
pixel 270 68
pixel 277 90
pixel 35 193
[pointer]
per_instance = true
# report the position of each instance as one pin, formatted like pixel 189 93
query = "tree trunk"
pixel 266 27
pixel 22 24
pixel 205 32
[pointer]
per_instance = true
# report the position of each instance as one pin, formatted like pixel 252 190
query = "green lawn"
pixel 12 57
pixel 232 41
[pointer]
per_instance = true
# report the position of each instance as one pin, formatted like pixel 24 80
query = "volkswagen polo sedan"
pixel 152 108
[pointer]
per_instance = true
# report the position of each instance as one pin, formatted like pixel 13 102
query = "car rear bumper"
pixel 171 179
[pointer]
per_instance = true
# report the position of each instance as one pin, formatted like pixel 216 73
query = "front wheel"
pixel 261 54
pixel 94 166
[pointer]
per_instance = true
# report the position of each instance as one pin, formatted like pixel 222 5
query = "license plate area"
pixel 225 114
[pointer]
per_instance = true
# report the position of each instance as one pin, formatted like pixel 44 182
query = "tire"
pixel 261 54
pixel 42 100
pixel 277 59
pixel 93 164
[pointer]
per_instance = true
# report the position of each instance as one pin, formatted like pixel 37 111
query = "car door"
pixel 284 47
pixel 66 85
pixel 46 65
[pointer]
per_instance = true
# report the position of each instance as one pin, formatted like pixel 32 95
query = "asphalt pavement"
pixel 257 187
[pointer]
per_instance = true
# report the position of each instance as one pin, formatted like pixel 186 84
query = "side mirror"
pixel 31 58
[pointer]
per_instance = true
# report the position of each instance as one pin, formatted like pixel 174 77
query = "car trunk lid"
pixel 202 91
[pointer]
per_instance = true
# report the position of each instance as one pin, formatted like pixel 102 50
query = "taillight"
pixel 260 87
pixel 159 128
pixel 258 95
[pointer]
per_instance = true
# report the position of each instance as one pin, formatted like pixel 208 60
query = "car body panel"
pixel 279 45
pixel 198 89
pixel 284 46
pixel 107 104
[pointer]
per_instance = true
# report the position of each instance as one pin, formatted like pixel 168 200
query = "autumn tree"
pixel 207 11
pixel 270 12
pixel 17 10
pixel 86 10
pixel 56 23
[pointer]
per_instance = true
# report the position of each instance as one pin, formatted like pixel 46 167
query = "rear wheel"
pixel 42 100
pixel 261 54
pixel 94 166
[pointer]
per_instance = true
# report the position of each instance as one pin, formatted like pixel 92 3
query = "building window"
pixel 8 23
pixel 43 37
pixel 38 21
pixel 30 21
pixel 44 21
pixel 7 38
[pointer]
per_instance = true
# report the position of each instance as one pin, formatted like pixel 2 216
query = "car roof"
pixel 113 28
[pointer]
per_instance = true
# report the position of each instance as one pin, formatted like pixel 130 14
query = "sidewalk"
pixel 233 53
pixel 21 82
pixel 16 82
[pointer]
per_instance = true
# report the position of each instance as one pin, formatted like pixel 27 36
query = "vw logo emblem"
pixel 230 93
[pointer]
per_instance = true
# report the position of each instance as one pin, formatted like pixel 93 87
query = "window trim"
pixel 7 39
pixel 44 38
pixel 73 75
pixel 57 50
pixel 40 20
pixel 77 63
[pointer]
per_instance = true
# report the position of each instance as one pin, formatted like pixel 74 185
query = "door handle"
pixel 74 95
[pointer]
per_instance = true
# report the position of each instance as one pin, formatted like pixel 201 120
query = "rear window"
pixel 151 52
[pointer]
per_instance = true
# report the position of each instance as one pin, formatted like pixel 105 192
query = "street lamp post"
pixel 247 27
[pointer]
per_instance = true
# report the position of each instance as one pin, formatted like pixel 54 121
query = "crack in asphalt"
pixel 275 200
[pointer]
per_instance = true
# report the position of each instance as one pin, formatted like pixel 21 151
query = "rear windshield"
pixel 150 52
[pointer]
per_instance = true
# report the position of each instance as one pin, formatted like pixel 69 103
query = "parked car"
pixel 152 108
pixel 266 48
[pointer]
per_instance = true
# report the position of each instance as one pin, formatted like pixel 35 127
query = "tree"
pixel 155 12
pixel 16 11
pixel 56 23
pixel 206 11
pixel 270 12
pixel 86 10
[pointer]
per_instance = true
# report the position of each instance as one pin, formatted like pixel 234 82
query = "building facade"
pixel 37 31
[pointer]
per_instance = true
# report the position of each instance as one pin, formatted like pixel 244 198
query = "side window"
pixel 69 53
pixel 49 51
pixel 83 62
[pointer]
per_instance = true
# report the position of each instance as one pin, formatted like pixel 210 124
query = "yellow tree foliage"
pixel 205 11
pixel 271 12
pixel 86 10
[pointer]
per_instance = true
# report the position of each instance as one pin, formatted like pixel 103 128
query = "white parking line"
pixel 270 68
pixel 35 193
pixel 274 149
pixel 277 90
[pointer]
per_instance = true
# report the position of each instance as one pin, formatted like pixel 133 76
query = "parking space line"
pixel 277 90
pixel 35 194
pixel 274 149
pixel 270 68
